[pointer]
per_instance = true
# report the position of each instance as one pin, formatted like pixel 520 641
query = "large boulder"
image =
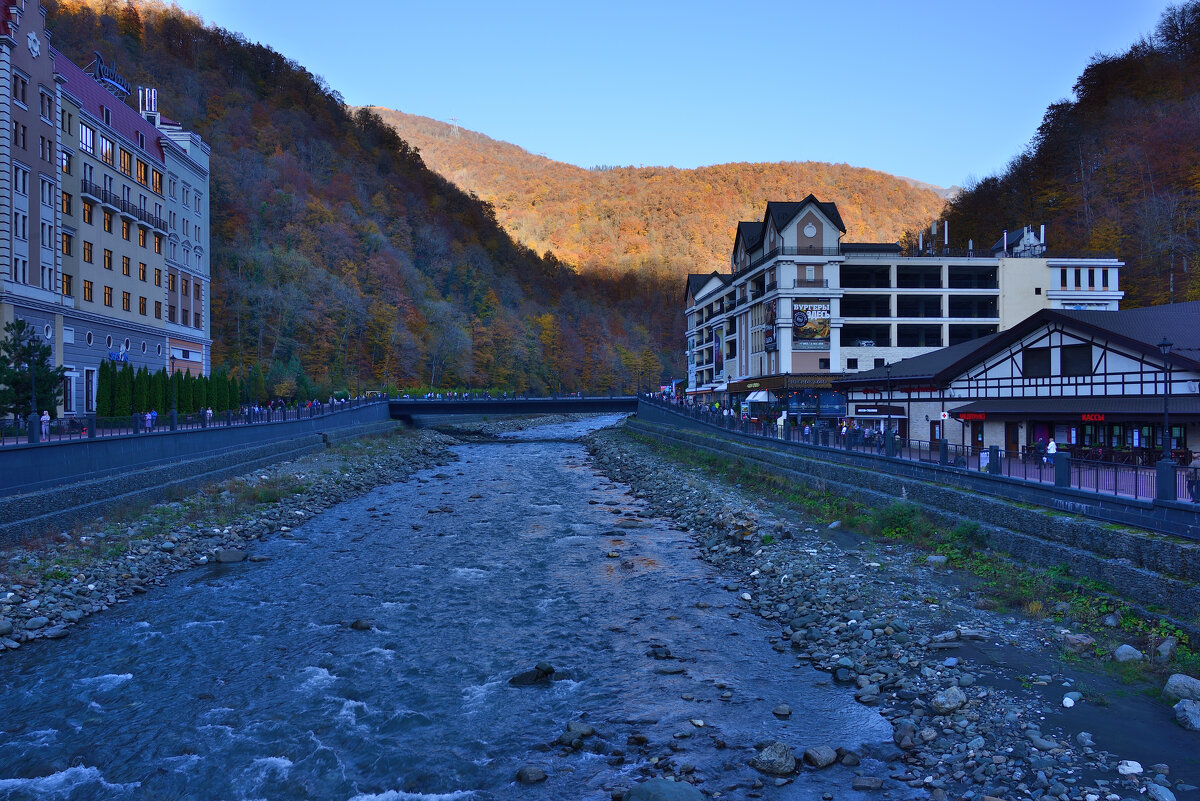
pixel 540 674
pixel 1187 714
pixel 1181 687
pixel 663 790
pixel 776 759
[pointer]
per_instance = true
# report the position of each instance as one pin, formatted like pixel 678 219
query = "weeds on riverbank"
pixel 1050 592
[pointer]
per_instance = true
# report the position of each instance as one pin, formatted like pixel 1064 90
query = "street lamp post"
pixel 1167 482
pixel 174 412
pixel 35 422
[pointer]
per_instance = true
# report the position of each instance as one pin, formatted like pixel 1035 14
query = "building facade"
pixel 1098 383
pixel 801 308
pixel 117 204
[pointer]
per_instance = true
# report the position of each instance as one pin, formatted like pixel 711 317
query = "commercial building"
pixel 800 308
pixel 120 271
pixel 1098 383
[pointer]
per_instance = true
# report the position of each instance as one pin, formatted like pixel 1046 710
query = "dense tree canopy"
pixel 1116 171
pixel 338 258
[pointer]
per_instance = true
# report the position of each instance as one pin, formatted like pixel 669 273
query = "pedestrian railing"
pixel 14 432
pixel 1102 478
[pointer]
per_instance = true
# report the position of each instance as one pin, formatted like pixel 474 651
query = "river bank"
pixel 982 704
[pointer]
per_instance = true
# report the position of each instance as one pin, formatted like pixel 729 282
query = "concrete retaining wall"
pixel 1156 572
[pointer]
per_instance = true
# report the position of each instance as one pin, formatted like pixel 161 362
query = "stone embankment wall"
pixel 130 471
pixel 1155 571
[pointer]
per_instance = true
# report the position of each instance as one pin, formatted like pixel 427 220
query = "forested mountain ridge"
pixel 338 259
pixel 664 219
pixel 1116 171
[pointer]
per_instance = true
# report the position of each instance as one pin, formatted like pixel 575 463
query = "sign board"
pixel 985 459
pixel 973 416
pixel 810 321
pixel 1093 418
pixel 945 415
pixel 718 352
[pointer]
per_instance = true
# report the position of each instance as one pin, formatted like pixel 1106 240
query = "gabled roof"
pixel 1014 238
pixel 783 212
pixel 697 281
pixel 750 233
pixel 1137 329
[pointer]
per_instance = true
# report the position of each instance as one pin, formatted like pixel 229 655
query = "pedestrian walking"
pixel 1051 450
pixel 45 424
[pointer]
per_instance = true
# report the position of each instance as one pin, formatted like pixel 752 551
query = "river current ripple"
pixel 245 681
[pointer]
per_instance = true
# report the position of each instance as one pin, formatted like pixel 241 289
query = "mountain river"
pixel 246 681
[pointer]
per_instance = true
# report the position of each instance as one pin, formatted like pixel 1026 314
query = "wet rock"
pixel 1187 714
pixel 1128 767
pixel 230 555
pixel 361 625
pixel 1127 653
pixel 663 790
pixel 777 759
pixel 782 711
pixel 948 700
pixel 1156 792
pixel 6 627
pixel 867 783
pixel 821 756
pixel 1181 687
pixel 35 623
pixel 904 734
pixel 540 674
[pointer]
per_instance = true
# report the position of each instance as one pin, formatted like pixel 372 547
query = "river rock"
pixel 6 627
pixel 782 711
pixel 867 783
pixel 663 790
pixel 1187 714
pixel 530 774
pixel 361 625
pixel 776 759
pixel 230 555
pixel 1181 687
pixel 540 674
pixel 1128 767
pixel 1156 792
pixel 35 623
pixel 821 756
pixel 1127 653
pixel 948 700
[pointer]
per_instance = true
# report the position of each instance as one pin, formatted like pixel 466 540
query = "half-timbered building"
pixel 1096 382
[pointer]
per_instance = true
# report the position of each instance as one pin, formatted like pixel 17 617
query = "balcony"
pixel 810 283
pixel 792 251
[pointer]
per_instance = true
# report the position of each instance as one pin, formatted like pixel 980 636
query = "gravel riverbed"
pixel 981 705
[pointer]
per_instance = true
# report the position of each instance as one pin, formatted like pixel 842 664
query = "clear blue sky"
pixel 936 90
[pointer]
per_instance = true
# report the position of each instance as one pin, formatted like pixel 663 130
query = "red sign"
pixel 973 416
pixel 1093 418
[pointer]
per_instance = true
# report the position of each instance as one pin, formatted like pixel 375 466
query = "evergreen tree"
pixel 258 385
pixel 141 391
pixel 158 392
pixel 26 375
pixel 123 393
pixel 103 390
pixel 202 401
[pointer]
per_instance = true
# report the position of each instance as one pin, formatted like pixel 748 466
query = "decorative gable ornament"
pixel 35 44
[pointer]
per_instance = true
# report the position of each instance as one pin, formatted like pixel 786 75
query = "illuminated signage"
pixel 973 416
pixel 1093 418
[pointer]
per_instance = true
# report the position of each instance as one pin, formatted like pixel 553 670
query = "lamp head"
pixel 1165 346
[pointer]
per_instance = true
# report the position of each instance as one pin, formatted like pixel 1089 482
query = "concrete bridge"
pixel 407 409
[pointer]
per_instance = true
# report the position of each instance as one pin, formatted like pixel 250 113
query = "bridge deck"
pixel 408 408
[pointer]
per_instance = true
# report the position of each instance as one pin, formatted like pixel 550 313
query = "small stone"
pixel 948 700
pixel 230 555
pixel 530 774
pixel 867 783
pixel 1187 714
pixel 35 623
pixel 776 759
pixel 6 627
pixel 1112 621
pixel 821 756
pixel 167 546
pixel 782 711
pixel 1127 653
pixel 1077 643
pixel 1128 767
pixel 361 625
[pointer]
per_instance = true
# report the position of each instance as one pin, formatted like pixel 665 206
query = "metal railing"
pixel 775 253
pixel 67 429
pixel 1139 482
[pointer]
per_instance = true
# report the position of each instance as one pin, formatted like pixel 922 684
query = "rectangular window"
pixel 142 306
pixel 87 251
pixel 65 161
pixel 125 301
pixel 196 319
pixel 1076 359
pixel 65 203
pixel 822 364
pixel 88 207
pixel 170 314
pixel 66 121
pixel 106 150
pixel 184 287
pixel 68 285
pixel 196 290
pixel 156 181
pixel 108 220
pixel 1035 362
pixel 141 271
pixel 126 162
pixel 47 110
pixel 108 296
pixel 142 237
pixel 87 291
pixel 20 89
pixel 171 282
pixel 125 265
pixel 158 310
pixel 67 242
pixel 851 364
pixel 158 243
pixel 87 139
pixel 143 172
pixel 126 230
pixel 157 277
pixel 107 259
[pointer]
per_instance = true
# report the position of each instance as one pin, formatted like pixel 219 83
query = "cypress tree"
pixel 202 388
pixel 158 393
pixel 103 389
pixel 123 391
pixel 141 390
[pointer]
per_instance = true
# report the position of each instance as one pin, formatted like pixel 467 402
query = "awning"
pixel 761 396
pixel 720 387
pixel 1096 408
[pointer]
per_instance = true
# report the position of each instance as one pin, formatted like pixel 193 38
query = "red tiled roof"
pixel 91 95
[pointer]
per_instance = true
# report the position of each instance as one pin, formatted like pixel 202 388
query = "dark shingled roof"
pixel 783 212
pixel 1139 329
pixel 751 234
pixel 696 281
